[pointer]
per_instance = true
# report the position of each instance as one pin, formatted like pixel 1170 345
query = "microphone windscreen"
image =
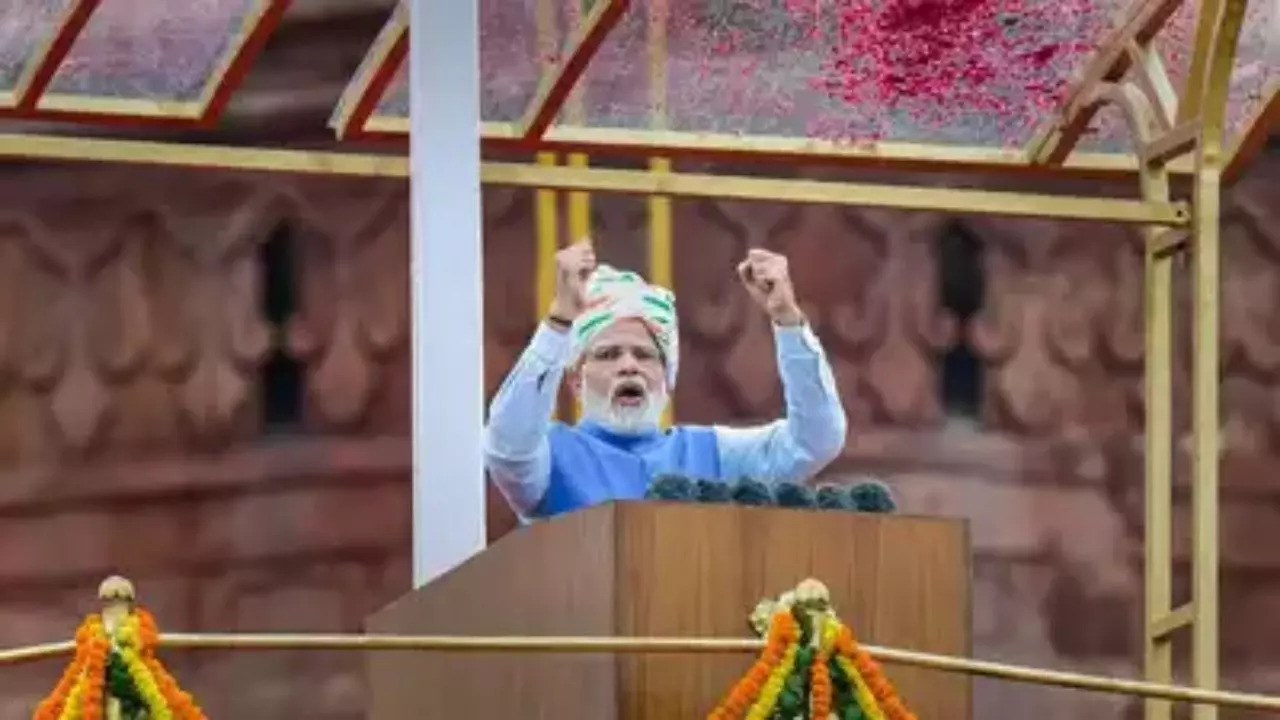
pixel 873 497
pixel 794 495
pixel 752 492
pixel 833 497
pixel 670 487
pixel 710 491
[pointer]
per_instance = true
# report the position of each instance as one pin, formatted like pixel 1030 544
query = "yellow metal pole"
pixel 1158 282
pixel 1141 110
pixel 547 221
pixel 661 268
pixel 1144 111
pixel 579 202
pixel 1205 432
pixel 546 203
pixel 661 260
pixel 661 231
pixel 1206 253
pixel 1206 28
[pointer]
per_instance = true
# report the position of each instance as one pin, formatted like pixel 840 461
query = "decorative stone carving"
pixel 211 332
pixel 511 308
pixel 866 281
pixel 899 328
pixel 355 298
pixel 1029 384
pixel 510 261
pixel 75 317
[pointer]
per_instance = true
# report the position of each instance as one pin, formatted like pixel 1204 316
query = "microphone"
pixel 872 496
pixel 671 487
pixel 867 496
pixel 795 495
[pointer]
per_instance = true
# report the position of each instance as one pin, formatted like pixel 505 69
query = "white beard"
pixel 624 419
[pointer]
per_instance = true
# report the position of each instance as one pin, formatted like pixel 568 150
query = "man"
pixel 616 336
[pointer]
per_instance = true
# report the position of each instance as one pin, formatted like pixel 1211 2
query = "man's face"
pixel 623 384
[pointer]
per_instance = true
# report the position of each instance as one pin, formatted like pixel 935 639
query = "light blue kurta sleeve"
pixel 516 450
pixel 812 433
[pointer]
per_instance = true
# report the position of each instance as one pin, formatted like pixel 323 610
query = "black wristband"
pixel 559 321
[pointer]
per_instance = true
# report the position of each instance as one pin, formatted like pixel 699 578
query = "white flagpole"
pixel 446 272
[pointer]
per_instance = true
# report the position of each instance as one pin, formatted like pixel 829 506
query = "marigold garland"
pixel 81 692
pixel 51 707
pixel 93 699
pixel 772 689
pixel 869 670
pixel 820 673
pixel 71 711
pixel 782 634
pixel 809 655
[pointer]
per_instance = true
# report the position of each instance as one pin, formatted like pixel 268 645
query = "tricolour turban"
pixel 613 295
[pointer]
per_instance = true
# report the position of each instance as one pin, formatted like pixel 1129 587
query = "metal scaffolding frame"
pixel 1174 132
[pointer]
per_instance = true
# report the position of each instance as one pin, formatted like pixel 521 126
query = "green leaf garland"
pixel 121 686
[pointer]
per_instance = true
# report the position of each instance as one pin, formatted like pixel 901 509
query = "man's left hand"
pixel 768 280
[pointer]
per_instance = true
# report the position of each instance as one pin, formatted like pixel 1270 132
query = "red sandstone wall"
pixel 131 341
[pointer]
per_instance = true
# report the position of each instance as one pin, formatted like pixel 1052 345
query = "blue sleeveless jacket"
pixel 591 465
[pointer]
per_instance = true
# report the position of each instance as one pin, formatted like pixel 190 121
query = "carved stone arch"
pixel 288 246
pixel 956 227
pixel 265 212
pixel 960 369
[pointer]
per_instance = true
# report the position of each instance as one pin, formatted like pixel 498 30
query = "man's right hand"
pixel 574 265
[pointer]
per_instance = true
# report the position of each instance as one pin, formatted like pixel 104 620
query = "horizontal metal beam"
pixel 902 197
pixel 637 182
pixel 143 152
pixel 664 645
pixel 790 150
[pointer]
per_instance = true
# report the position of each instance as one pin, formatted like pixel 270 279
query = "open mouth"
pixel 630 394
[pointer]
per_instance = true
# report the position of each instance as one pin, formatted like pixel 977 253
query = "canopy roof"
pixel 932 81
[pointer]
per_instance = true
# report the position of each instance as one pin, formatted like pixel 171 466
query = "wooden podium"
pixel 670 570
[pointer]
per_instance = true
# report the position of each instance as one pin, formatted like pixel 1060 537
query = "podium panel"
pixel 670 570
